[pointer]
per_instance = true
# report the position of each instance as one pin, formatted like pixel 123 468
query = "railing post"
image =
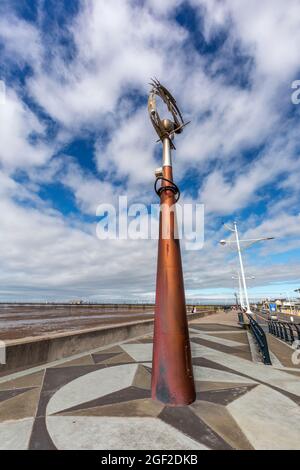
pixel 297 329
pixel 281 331
pixel 291 333
pixel 286 337
pixel 261 340
pixel 270 326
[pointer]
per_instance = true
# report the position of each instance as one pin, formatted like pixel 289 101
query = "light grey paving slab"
pixel 269 419
pixel 91 386
pixel 214 375
pixel 267 374
pixel 139 351
pixel 15 435
pixel 275 361
pixel 114 433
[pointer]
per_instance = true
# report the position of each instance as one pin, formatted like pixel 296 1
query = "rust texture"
pixel 172 373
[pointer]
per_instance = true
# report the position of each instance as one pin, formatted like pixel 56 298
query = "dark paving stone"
pixel 7 394
pixel 81 361
pixel 204 386
pixel 240 337
pixel 238 351
pixel 204 362
pixel 124 395
pixel 185 420
pixel 43 402
pixel 118 359
pixel 40 439
pixel 135 408
pixel 55 378
pixel 219 419
pixel 224 396
pixel 103 357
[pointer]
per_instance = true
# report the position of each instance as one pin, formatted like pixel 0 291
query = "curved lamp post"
pixel 238 277
pixel 172 373
pixel 237 241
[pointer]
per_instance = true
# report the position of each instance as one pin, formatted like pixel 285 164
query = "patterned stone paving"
pixel 103 401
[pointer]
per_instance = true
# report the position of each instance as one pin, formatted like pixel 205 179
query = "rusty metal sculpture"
pixel 172 373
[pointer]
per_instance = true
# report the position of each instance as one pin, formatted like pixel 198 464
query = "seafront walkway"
pixel 101 400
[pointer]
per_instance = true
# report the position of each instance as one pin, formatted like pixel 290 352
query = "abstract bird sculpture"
pixel 178 124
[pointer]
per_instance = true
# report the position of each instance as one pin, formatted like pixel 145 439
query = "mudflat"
pixel 23 321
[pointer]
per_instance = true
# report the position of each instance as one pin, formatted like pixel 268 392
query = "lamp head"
pixel 222 242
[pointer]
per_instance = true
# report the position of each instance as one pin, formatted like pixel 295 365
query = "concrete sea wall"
pixel 31 352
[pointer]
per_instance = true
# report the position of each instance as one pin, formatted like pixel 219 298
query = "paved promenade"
pixel 102 400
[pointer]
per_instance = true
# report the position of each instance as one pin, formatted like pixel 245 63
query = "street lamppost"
pixel 237 241
pixel 172 373
pixel 240 288
pixel 289 300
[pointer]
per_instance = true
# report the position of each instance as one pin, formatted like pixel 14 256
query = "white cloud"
pixel 119 46
pixel 223 195
pixel 22 41
pixel 269 29
pixel 18 125
pixel 129 151
pixel 89 191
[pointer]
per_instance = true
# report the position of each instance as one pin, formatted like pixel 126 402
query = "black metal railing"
pixel 241 318
pixel 261 339
pixel 286 331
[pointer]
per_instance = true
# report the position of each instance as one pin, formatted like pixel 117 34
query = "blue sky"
pixel 75 133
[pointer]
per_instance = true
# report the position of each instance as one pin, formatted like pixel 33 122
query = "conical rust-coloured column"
pixel 172 373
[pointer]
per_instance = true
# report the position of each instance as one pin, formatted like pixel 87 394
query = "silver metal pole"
pixel 241 291
pixel 242 268
pixel 289 299
pixel 167 157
